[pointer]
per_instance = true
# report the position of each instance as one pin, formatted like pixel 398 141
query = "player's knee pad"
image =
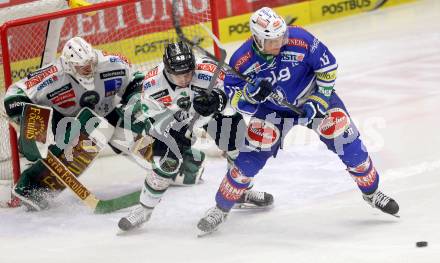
pixel 158 180
pixel 251 163
pixel 191 169
pixel 365 175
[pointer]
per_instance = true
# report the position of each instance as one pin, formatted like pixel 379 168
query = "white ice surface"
pixel 389 71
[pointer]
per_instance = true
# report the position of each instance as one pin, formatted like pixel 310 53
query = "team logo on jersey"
pixel 152 73
pixel 116 58
pixel 160 94
pixel 335 124
pixel 149 84
pixel 112 74
pixel 262 134
pixel 47 82
pixel 166 101
pixel 89 99
pixel 243 59
pixel 37 78
pixel 314 45
pixel 112 86
pixel 297 42
pixel 290 56
pixel 253 69
pixel 64 99
pixel 57 92
pixel 210 68
pixel 36 72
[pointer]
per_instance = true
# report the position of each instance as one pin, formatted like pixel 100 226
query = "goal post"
pixel 139 30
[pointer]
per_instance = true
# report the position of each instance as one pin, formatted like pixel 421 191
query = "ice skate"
pixel 136 218
pixel 254 199
pixel 382 202
pixel 210 222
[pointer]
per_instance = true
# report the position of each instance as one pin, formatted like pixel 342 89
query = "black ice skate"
pixel 136 218
pixel 210 222
pixel 382 202
pixel 254 199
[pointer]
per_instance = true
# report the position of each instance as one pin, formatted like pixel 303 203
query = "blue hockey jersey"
pixel 303 65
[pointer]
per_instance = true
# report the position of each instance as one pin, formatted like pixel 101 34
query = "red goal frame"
pixel 59 14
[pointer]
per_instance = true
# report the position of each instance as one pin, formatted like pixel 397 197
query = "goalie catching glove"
pixel 207 104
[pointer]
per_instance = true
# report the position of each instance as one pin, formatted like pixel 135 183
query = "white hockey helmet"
pixel 267 26
pixel 79 60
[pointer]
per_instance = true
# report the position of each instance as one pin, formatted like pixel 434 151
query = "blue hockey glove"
pixel 259 92
pixel 315 106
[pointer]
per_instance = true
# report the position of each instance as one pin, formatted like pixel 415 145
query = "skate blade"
pixel 245 206
pixel 204 234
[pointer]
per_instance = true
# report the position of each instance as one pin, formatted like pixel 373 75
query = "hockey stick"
pixel 87 197
pixel 57 168
pixel 221 64
pixel 194 44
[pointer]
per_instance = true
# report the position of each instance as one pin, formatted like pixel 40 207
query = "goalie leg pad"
pixel 37 183
pixel 32 188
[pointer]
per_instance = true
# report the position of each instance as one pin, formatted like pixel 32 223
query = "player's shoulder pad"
pixel 43 77
pixel 299 38
pixel 205 69
pixel 242 57
pixel 152 77
pixel 113 57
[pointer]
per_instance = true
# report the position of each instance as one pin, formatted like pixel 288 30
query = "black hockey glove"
pixel 207 104
pixel 259 92
pixel 134 87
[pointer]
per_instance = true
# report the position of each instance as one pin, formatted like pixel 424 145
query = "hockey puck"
pixel 421 244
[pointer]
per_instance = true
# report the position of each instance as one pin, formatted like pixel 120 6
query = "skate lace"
pixel 214 216
pixel 255 195
pixel 380 199
pixel 137 215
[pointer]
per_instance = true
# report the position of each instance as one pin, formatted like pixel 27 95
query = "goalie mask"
pixel 79 60
pixel 269 31
pixel 179 63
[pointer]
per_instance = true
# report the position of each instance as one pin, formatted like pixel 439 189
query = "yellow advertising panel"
pixel 321 10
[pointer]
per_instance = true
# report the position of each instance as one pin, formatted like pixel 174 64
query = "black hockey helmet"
pixel 178 58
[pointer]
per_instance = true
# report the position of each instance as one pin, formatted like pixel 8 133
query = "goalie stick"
pixel 220 63
pixel 57 168
pixel 87 197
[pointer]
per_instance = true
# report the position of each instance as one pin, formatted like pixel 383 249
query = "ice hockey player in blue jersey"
pixel 291 62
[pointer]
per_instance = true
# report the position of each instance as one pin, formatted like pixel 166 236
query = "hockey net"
pixel 136 29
